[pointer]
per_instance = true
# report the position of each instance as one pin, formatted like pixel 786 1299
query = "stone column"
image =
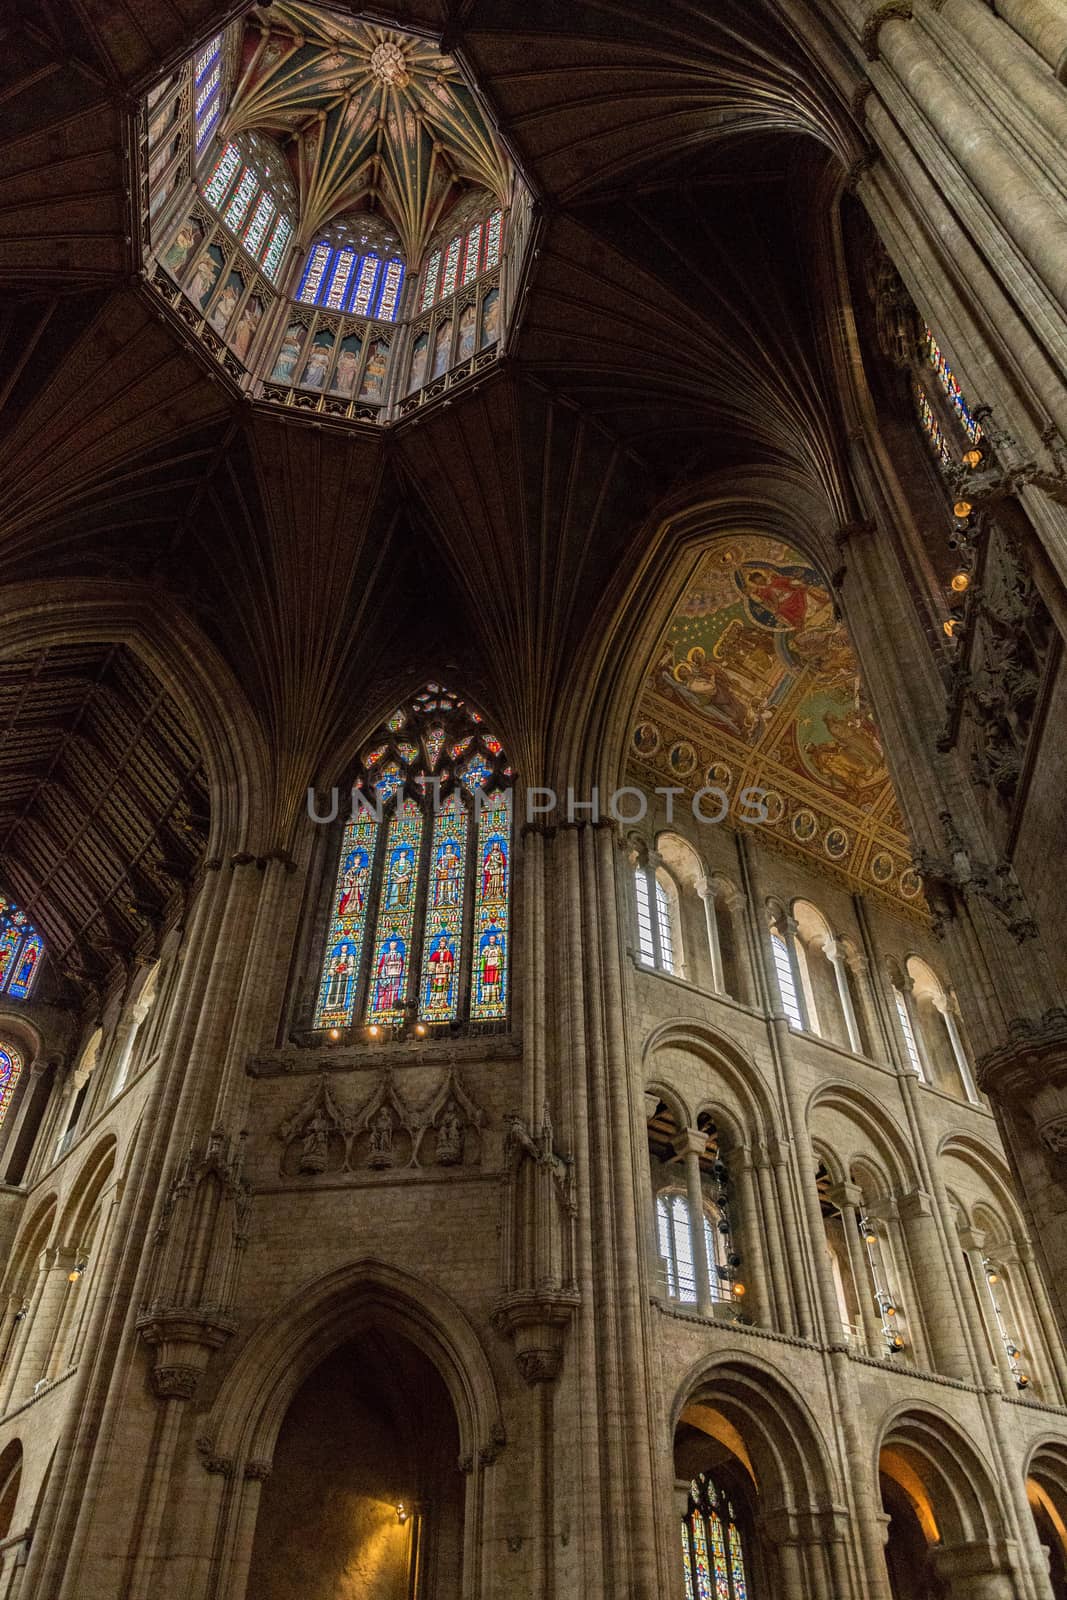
pixel 690 1145
pixel 740 1164
pixel 1052 1344
pixel 836 956
pixel 848 1198
pixel 1043 24
pixel 707 894
pixel 978 1571
pixel 940 1317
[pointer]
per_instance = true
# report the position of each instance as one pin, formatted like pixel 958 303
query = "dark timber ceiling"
pixel 674 328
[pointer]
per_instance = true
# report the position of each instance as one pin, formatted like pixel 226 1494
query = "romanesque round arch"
pixel 876 1123
pixel 714 1049
pixel 941 1473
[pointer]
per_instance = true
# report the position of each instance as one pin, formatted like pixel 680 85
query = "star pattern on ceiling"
pixel 757 686
pixel 369 116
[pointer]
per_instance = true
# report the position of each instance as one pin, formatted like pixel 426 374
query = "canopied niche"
pixel 365 1501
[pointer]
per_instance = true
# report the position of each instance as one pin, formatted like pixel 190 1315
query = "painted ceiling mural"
pixel 367 114
pixel 757 685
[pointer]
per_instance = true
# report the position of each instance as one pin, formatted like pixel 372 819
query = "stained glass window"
pixel 314 272
pixel 207 84
pixel 342 278
pixel 448 281
pixel 368 277
pixel 419 925
pixel 256 230
pixel 494 234
pixel 10 1071
pixel 271 260
pixel 947 380
pixel 472 253
pixel 241 199
pixel 429 286
pixel 343 263
pixel 712 1546
pixel 392 283
pixel 225 171
pixel 21 952
pixel 932 428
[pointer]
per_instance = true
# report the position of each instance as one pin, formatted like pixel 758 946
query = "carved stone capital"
pixel 258 1471
pixel 536 1321
pixel 1028 1074
pixel 175 1382
pixel 212 1461
pixel 892 10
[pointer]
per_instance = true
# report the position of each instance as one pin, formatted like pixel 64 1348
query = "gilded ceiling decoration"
pixel 370 117
pixel 757 686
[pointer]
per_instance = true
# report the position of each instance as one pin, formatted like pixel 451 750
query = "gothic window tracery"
pixel 21 952
pixel 250 189
pixel 354 267
pixel 713 1554
pixel 420 917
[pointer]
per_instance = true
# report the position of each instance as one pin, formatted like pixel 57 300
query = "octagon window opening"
pixel 419 927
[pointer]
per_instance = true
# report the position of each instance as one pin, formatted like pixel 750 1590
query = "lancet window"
pixel 21 952
pixel 419 928
pixel 712 1549
pixel 467 254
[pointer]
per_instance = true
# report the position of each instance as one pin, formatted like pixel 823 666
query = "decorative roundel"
pixel 775 806
pixel 910 883
pixel 646 738
pixel 720 776
pixel 683 758
pixel 804 825
pixel 836 843
pixel 882 867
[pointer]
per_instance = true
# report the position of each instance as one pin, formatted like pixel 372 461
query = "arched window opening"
pixel 659 939
pixel 997 1291
pixel 21 952
pixel 77 1090
pixel 939 1029
pixel 251 190
pixel 908 1033
pixel 713 1554
pixel 1046 1492
pixel 787 989
pixel 697 1266
pixel 828 999
pixel 466 255
pixel 842 1250
pixel 10 1073
pixel 419 930
pixel 10 1482
pixel 355 266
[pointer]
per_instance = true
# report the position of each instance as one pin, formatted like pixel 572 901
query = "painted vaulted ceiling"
pixel 368 116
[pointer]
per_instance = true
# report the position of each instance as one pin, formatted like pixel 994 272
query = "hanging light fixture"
pixel 960 582
pixel 962 509
pixel 972 457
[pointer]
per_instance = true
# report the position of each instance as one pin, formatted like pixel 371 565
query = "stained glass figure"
pixel 408 752
pixel 10 939
pixel 10 1072
pixel 21 951
pixel 442 942
pixel 389 780
pixel 24 969
pixel 396 916
pixel 396 721
pixel 712 1547
pixel 932 428
pixel 457 749
pixel 435 739
pixel 340 974
pixel 489 976
pixel 374 754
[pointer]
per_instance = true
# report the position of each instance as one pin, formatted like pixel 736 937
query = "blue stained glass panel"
pixel 492 888
pixel 392 283
pixel 10 939
pixel 364 289
pixel 314 271
pixel 207 56
pixel 344 262
pixel 396 916
pixel 442 941
pixel 344 943
pixel 24 968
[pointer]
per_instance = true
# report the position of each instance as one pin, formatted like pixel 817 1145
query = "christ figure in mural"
pixel 390 976
pixel 494 872
pixel 446 876
pixel 492 971
pixel 442 968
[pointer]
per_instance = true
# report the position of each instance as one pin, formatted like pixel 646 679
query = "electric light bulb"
pixel 972 457
pixel 950 627
pixel 334 1034
pixel 962 509
pixel 739 1289
pixel 960 582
